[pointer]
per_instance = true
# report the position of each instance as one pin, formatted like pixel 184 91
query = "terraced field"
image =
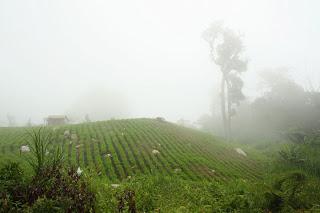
pixel 118 149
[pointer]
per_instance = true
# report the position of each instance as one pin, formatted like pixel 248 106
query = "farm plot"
pixel 120 149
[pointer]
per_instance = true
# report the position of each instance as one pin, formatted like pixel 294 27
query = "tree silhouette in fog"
pixel 226 48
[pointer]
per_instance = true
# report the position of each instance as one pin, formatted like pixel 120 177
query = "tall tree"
pixel 226 49
pixel 11 120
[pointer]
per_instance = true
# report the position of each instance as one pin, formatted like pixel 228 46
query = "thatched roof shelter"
pixel 56 120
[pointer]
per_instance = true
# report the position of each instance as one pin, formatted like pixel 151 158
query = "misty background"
pixel 119 59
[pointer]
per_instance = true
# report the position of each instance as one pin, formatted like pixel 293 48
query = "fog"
pixel 124 59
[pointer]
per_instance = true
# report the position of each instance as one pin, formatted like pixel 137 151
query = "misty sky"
pixel 151 53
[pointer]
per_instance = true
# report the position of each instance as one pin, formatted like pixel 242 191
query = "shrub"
pixel 52 188
pixel 66 187
pixel 291 192
pixel 292 154
pixel 303 151
pixel 126 201
pixel 12 187
pixel 11 175
pixel 46 205
pixel 274 202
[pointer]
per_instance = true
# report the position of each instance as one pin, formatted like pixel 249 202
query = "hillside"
pixel 122 148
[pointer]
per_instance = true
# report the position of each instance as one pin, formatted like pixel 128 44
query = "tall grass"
pixel 43 151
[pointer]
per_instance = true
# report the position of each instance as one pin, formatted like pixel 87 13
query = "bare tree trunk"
pixel 223 106
pixel 229 114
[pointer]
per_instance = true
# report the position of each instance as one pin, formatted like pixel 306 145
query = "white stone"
pixel 79 171
pixel 25 148
pixel 115 185
pixel 155 152
pixel 177 170
pixel 241 152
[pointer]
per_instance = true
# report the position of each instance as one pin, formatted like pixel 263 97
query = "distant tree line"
pixel 283 106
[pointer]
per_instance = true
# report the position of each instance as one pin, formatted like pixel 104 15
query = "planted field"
pixel 119 149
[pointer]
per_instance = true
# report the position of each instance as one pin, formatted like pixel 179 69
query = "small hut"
pixel 56 120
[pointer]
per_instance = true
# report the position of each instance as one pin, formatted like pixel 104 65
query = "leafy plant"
pixel 303 152
pixel 127 199
pixel 52 188
pixel 43 152
pixel 12 186
pixel 46 205
pixel 289 191
pixel 292 154
pixel 63 186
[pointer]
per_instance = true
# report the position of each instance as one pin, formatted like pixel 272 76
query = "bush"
pixel 46 205
pixel 126 201
pixel 52 188
pixel 171 194
pixel 292 191
pixel 303 156
pixel 72 191
pixel 12 187
pixel 11 175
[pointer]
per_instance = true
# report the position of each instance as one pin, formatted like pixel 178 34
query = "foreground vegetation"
pixel 286 192
pixel 58 176
pixel 51 187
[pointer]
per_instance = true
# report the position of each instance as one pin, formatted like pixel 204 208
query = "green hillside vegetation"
pixel 119 149
pixel 147 165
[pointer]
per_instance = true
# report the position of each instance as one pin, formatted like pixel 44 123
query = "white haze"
pixel 150 53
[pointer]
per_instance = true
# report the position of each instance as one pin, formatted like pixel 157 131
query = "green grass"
pixel 184 152
pixel 178 179
pixel 169 194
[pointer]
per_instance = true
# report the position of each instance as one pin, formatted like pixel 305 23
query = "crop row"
pixel 120 149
